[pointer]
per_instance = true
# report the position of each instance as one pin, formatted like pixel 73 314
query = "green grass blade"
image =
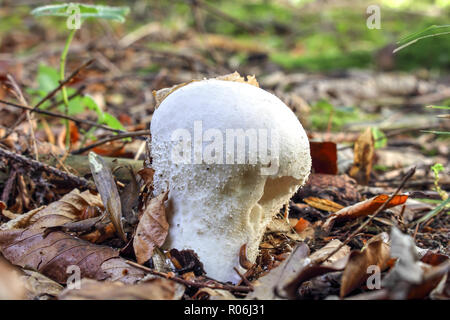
pixel 432 31
pixel 433 212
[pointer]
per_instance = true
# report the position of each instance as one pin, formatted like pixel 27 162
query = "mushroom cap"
pixel 215 208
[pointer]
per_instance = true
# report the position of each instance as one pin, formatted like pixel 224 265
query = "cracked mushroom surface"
pixel 231 155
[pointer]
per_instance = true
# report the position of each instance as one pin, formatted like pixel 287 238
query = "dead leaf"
pixel 276 279
pixel 152 229
pixel 39 286
pixel 324 157
pixel 363 208
pixel 301 225
pixel 336 262
pixel 364 151
pixel 107 188
pixel 69 208
pixel 356 271
pixel 327 249
pixel 323 204
pixel 129 198
pixel 153 289
pixel 53 254
pixel 342 188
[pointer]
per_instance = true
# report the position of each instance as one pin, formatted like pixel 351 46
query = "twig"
pixel 243 278
pixel 191 283
pixel 62 116
pixel 78 92
pixel 39 166
pixel 112 138
pixel 48 96
pixel 19 95
pixel 408 175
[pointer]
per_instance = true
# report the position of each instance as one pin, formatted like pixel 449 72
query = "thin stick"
pixel 112 138
pixel 48 96
pixel 18 93
pixel 408 175
pixel 39 166
pixel 244 279
pixel 191 283
pixel 62 116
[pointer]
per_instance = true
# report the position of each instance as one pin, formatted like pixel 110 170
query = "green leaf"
pixel 47 78
pixel 432 31
pixel 103 117
pixel 112 122
pixel 90 103
pixel 438 167
pixel 76 106
pixel 86 11
pixel 379 138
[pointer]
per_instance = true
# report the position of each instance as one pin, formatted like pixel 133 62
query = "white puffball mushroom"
pixel 225 185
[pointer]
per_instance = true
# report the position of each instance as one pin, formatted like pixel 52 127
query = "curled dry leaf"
pixel 363 208
pixel 152 289
pixel 107 188
pixel 364 151
pixel 336 262
pixel 412 277
pixel 265 287
pixel 152 229
pixel 356 272
pixel 69 208
pixel 11 285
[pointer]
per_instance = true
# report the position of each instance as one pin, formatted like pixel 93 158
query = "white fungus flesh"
pixel 222 196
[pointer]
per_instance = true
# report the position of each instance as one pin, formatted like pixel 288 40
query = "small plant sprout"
pixel 231 155
pixel 76 13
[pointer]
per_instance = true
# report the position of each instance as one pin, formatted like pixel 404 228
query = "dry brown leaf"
pixel 363 208
pixel 40 286
pixel 68 209
pixel 364 151
pixel 265 286
pixel 152 229
pixel 327 249
pixel 336 262
pixel 323 204
pixel 356 272
pixel 51 255
pixel 153 289
pixel 109 194
pixel 342 187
